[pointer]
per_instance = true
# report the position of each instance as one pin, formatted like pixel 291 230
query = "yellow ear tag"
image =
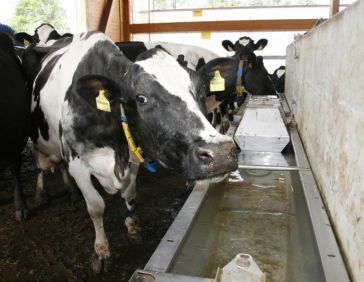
pixel 102 103
pixel 26 43
pixel 217 83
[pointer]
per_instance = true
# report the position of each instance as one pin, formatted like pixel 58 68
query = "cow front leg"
pixel 95 207
pixel 129 195
pixel 21 211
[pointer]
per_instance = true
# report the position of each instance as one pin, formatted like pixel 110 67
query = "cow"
pixel 206 63
pixel 44 35
pixel 84 88
pixel 190 56
pixel 278 78
pixel 14 118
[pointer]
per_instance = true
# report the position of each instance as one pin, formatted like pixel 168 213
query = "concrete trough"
pixel 270 208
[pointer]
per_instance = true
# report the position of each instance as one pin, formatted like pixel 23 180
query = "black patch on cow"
pixel 181 60
pixel 131 49
pixel 39 121
pixel 92 127
pixel 201 62
pixel 14 105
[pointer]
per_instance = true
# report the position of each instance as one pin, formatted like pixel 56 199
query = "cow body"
pixel 191 56
pixel 69 125
pixel 278 79
pixel 14 117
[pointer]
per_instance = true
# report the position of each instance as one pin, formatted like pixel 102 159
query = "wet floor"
pixel 262 213
pixel 56 242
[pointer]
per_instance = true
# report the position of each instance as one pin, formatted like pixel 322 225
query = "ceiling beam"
pixel 246 25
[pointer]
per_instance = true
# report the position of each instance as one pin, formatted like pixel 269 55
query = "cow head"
pixel 278 78
pixel 165 104
pixel 244 48
pixel 255 77
pixel 43 34
pixel 257 80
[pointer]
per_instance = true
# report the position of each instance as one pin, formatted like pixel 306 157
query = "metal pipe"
pixel 269 167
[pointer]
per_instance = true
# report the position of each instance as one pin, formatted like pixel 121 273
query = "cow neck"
pixel 239 88
pixel 136 157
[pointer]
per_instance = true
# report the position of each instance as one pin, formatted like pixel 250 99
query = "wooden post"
pixel 334 7
pixel 125 20
pixel 105 16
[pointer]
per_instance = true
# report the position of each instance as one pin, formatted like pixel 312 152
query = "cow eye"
pixel 141 99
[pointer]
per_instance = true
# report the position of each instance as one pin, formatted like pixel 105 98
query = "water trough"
pixel 269 209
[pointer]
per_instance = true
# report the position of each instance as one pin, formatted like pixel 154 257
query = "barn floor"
pixel 56 242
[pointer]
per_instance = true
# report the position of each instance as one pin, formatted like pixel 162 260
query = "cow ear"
pixel 24 38
pixel 90 86
pixel 260 45
pixel 228 45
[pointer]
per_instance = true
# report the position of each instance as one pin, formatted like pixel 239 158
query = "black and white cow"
pixel 278 79
pixel 14 118
pixel 44 35
pixel 255 79
pixel 190 56
pixel 164 104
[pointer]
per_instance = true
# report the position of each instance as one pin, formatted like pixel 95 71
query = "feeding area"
pixel 181 141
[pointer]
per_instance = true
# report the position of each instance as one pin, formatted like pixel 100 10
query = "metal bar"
pixel 245 25
pixel 142 275
pixel 331 258
pixel 167 249
pixel 268 167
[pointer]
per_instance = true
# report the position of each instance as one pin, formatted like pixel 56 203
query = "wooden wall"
pixel 94 13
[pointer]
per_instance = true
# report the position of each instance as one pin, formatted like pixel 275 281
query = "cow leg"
pixel 95 207
pixel 41 196
pixel 70 183
pixel 21 211
pixel 129 195
pixel 224 119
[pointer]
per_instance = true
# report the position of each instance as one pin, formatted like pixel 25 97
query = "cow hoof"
pixel 41 198
pixel 135 238
pixel 21 214
pixel 100 265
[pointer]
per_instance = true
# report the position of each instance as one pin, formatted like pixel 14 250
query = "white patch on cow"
pixel 280 72
pixel 177 82
pixel 60 79
pixel 244 41
pixel 191 53
pixel 101 162
pixel 43 33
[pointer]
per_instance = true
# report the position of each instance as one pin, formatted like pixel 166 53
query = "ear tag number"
pixel 217 83
pixel 102 103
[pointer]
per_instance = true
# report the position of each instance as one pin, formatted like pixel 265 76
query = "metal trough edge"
pixel 331 259
pixel 163 256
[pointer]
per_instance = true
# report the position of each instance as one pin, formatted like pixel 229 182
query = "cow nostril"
pixel 204 156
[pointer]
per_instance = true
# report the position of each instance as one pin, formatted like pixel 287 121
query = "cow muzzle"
pixel 210 160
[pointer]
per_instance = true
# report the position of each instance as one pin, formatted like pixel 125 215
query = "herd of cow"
pixel 85 102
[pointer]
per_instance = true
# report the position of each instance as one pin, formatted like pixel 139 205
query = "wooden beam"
pixel 334 7
pixel 126 20
pixel 105 15
pixel 246 25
